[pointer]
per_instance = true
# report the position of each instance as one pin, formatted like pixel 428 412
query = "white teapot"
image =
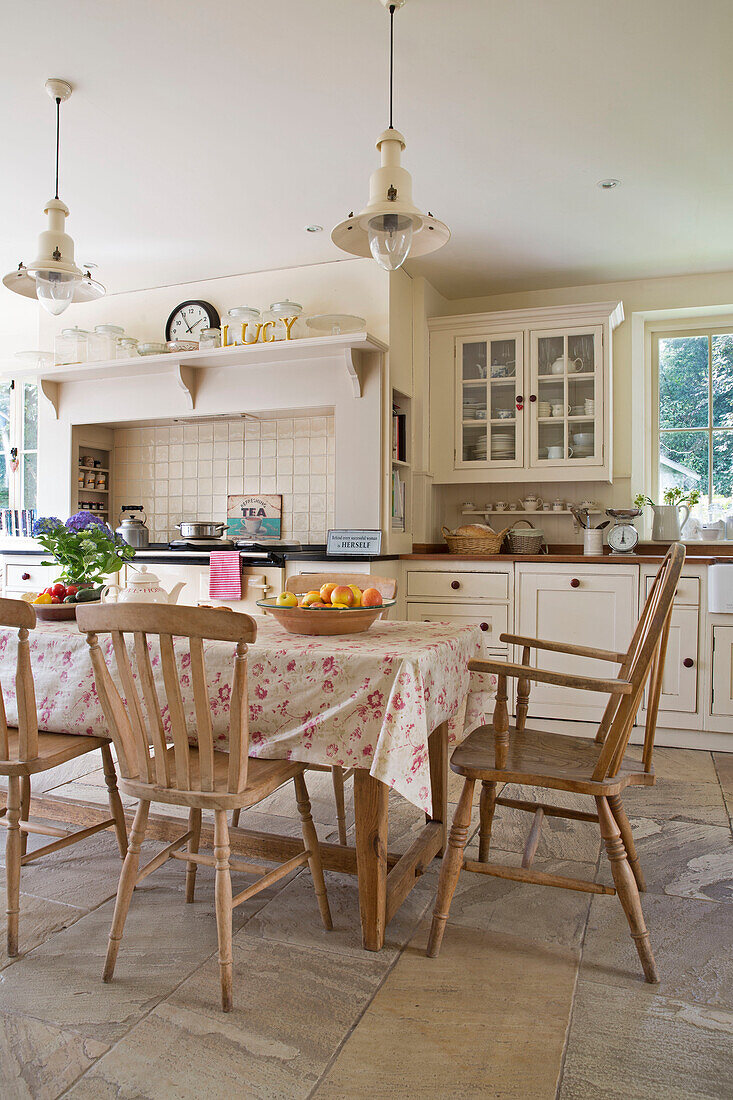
pixel 143 588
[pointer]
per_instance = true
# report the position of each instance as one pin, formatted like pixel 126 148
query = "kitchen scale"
pixel 623 538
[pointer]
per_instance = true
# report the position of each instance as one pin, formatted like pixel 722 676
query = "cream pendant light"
pixel 390 227
pixel 53 277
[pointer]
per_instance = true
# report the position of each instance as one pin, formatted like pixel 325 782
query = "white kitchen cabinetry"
pixel 579 604
pixel 21 574
pixel 529 392
pixel 679 702
pixel 722 679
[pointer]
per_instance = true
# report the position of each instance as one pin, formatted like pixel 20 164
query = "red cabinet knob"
pixel 688 662
pixel 455 584
pixel 25 576
pixel 484 626
pixel 575 583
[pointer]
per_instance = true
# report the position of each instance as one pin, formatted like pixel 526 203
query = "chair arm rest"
pixel 564 647
pixel 544 676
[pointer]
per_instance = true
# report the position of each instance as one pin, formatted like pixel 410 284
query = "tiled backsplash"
pixel 186 471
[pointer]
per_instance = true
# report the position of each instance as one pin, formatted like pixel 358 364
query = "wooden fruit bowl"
pixel 55 612
pixel 321 624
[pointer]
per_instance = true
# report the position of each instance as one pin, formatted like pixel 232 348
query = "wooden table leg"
pixel 370 812
pixel 438 752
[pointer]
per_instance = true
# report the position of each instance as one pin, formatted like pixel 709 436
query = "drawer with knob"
pixel 472 584
pixel 492 621
pixel 28 576
pixel 687 592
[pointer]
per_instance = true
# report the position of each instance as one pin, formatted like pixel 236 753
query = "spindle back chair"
pixel 162 761
pixel 502 754
pixel 25 751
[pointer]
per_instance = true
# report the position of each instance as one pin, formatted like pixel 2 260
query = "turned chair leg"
pixel 194 825
pixel 223 897
pixel 487 805
pixel 337 775
pixel 451 867
pixel 115 802
pixel 128 878
pixel 310 838
pixel 12 863
pixel 25 809
pixel 626 888
pixel 619 813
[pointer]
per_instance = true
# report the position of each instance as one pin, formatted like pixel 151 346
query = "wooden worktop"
pixel 649 553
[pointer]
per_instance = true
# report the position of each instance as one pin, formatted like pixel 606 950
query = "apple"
pixel 310 598
pixel 371 597
pixel 287 599
pixel 357 594
pixel 326 590
pixel 342 594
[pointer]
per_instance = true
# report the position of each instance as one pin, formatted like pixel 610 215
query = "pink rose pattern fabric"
pixel 365 700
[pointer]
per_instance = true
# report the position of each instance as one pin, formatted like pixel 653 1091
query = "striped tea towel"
pixel 225 574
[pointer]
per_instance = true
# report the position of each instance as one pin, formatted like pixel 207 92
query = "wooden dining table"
pixel 387 703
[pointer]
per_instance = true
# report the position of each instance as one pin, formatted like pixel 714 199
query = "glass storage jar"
pixel 103 343
pixel 70 346
pixel 236 319
pixel 209 338
pixel 127 347
pixel 284 316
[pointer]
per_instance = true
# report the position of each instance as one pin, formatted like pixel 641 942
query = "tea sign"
pixel 254 517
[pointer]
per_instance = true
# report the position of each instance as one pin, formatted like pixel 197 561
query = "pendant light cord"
pixel 391 61
pixel 58 123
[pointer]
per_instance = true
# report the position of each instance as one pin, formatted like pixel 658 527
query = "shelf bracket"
pixel 355 367
pixel 186 379
pixel 50 391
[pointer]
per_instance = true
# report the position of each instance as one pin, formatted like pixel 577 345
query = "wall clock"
pixel 189 318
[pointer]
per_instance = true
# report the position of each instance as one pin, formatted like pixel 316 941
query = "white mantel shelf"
pixel 349 350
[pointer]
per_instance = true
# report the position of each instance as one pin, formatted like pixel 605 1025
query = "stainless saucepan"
pixel 195 530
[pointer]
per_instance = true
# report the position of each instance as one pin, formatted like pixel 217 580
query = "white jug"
pixel 667 526
pixel 144 588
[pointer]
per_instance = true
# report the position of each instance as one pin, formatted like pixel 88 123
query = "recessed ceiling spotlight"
pixel 608 185
pixel 314 229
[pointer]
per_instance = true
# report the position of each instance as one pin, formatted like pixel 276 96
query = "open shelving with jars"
pixel 529 390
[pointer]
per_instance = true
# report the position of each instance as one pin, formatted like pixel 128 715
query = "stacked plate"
pixel 502 444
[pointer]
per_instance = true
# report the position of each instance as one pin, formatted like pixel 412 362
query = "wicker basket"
pixel 524 542
pixel 490 543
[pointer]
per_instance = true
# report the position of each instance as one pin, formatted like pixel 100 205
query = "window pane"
pixel 722 467
pixel 5 404
pixel 30 418
pixel 30 464
pixel 683 382
pixel 683 461
pixel 723 381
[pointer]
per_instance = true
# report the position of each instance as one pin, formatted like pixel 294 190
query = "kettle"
pixel 132 528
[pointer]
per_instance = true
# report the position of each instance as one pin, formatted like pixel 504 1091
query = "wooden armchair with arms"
pixel 198 777
pixel 501 753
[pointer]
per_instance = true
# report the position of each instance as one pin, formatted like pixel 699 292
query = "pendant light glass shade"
pixel 390 237
pixel 55 290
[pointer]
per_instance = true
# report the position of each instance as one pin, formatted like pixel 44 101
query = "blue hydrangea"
pixel 46 525
pixel 82 521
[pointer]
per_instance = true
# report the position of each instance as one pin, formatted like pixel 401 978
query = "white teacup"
pixel 559 409
pixel 558 452
pixel 252 526
pixel 558 505
pixel 501 506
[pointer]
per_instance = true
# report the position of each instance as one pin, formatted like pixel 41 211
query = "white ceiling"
pixel 202 137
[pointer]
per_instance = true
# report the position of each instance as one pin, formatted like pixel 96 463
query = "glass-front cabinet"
pixel 490 376
pixel 566 398
pixel 528 393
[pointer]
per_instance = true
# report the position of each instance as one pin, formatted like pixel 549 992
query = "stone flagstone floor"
pixel 537 992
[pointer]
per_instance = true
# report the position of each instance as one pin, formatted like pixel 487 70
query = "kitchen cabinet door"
pixel 679 684
pixel 581 607
pixel 489 387
pixel 722 700
pixel 492 618
pixel 566 398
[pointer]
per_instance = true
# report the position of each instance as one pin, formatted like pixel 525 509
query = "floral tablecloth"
pixel 362 700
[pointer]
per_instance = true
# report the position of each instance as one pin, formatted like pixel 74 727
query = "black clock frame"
pixel 214 319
